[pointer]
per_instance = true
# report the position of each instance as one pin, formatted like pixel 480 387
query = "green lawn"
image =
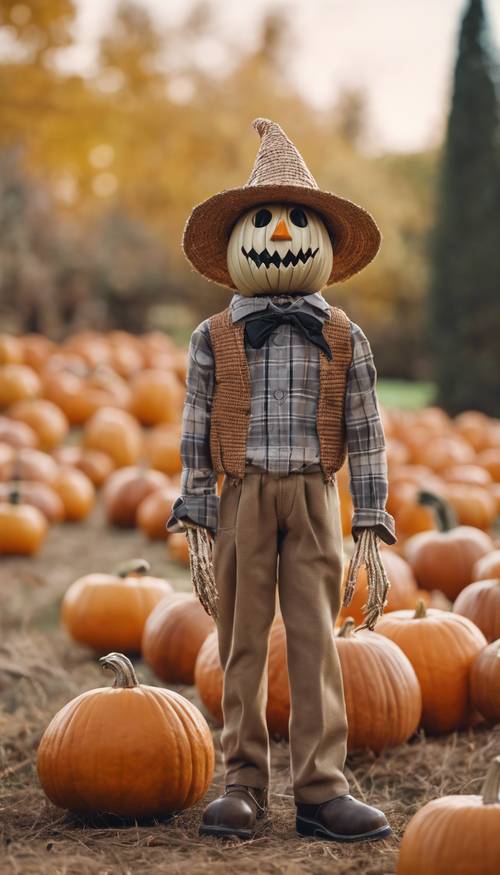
pixel 406 394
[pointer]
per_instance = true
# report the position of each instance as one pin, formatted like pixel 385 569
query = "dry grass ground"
pixel 40 670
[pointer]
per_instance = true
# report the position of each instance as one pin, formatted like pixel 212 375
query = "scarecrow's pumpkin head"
pixel 279 247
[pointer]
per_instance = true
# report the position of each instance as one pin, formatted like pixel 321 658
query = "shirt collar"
pixel 243 306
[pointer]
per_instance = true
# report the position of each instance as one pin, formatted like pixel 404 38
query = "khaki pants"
pixel 288 529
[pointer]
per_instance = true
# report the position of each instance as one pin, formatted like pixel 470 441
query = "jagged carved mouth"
pixel 289 258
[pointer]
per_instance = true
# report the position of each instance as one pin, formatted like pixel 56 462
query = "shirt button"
pixel 279 394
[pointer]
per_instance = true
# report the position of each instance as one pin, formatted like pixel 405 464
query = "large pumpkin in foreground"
pixel 455 835
pixel 441 646
pixel 129 750
pixel 106 610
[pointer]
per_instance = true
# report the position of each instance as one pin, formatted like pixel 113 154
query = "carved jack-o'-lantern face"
pixel 279 247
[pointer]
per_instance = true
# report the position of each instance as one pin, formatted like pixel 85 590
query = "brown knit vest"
pixel 232 396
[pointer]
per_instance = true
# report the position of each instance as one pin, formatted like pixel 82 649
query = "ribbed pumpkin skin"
pixel 382 695
pixel 108 612
pixel 455 835
pixel 444 560
pixel 480 602
pixel 441 648
pixel 208 679
pixel 140 752
pixel 173 635
pixel 485 682
pixel 488 567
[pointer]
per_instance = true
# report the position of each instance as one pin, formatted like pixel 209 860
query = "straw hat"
pixel 279 175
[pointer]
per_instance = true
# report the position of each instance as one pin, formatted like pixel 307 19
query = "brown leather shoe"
pixel 235 813
pixel 342 819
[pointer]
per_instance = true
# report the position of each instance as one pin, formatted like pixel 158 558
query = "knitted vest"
pixel 232 395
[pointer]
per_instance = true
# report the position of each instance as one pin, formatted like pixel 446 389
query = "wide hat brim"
pixel 355 236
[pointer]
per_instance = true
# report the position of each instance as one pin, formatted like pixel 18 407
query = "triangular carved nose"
pixel 281 231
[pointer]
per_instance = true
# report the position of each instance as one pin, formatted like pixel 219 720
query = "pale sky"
pixel 401 52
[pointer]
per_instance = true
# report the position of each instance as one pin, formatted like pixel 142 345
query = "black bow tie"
pixel 258 330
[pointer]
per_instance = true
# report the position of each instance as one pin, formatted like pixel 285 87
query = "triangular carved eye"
pixel 262 218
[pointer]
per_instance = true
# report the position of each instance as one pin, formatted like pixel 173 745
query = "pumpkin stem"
pixel 347 628
pixel 133 566
pixel 420 610
pixel 444 515
pixel 491 786
pixel 125 676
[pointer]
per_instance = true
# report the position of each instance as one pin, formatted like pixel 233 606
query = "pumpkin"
pixel 473 505
pixel 209 679
pixel 76 491
pixel 46 419
pixel 402 591
pixel 124 491
pixel 11 350
pixel 22 527
pixel 487 566
pixel 473 475
pixel 116 433
pixel 37 350
pixel 80 392
pixel 444 559
pixel 163 449
pixel 18 382
pixel 279 247
pixel 473 426
pixel 95 464
pixel 17 434
pixel 30 464
pixel 178 549
pixel 490 460
pixel 485 682
pixel 455 835
pixel 441 647
pixel 110 610
pixel 442 452
pixel 154 511
pixel 157 396
pixel 173 635
pixel 480 602
pixel 38 495
pixel 92 346
pixel 130 750
pixel 382 694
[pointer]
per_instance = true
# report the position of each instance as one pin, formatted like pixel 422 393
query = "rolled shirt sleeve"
pixel 366 444
pixel 198 500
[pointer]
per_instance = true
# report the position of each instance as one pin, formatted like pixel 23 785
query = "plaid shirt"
pixel 282 437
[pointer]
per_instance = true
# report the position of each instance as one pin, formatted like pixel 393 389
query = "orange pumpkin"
pixel 473 475
pixel 11 350
pixel 490 460
pixel 30 464
pixel 402 592
pixel 473 505
pixel 124 491
pixel 480 602
pixel 487 566
pixel 441 647
pixel 455 834
pixel 37 350
pixel 382 694
pixel 156 397
pixel 37 494
pixel 173 635
pixel 473 426
pixel 18 382
pixel 178 549
pixel 209 680
pixel 485 682
pixel 95 464
pixel 22 527
pixel 131 750
pixel 45 418
pixel 154 511
pixel 444 559
pixel 441 452
pixel 17 434
pixel 116 433
pixel 77 493
pixel 110 610
pixel 163 449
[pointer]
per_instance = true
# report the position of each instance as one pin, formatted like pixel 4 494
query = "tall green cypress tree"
pixel 464 301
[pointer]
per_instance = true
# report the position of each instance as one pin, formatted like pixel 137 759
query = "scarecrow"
pixel 280 386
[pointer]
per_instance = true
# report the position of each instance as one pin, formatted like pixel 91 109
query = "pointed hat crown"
pixel 278 161
pixel 279 175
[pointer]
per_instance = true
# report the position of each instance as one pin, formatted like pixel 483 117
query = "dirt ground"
pixel 40 670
